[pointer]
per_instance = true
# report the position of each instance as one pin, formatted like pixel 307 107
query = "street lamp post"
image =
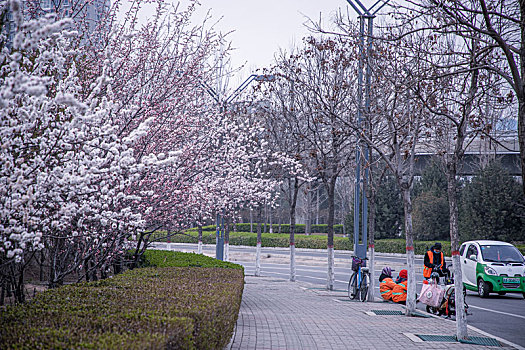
pixel 223 105
pixel 361 235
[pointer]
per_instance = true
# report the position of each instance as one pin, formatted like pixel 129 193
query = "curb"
pixel 487 334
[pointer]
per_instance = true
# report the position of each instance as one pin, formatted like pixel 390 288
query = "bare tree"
pixel 499 29
pixel 398 119
pixel 322 74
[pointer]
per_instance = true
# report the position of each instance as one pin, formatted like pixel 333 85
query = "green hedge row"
pixel 310 241
pixel 163 258
pixel 145 308
pixel 313 242
pixel 285 228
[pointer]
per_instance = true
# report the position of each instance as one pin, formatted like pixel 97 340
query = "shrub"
pixel 156 307
pixel 163 258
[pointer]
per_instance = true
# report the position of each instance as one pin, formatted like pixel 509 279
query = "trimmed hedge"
pixel 313 242
pixel 165 258
pixel 285 228
pixel 153 308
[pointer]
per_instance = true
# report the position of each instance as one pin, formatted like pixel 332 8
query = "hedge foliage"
pixel 285 228
pixel 164 258
pixel 310 241
pixel 145 308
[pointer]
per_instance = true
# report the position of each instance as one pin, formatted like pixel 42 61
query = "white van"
pixel 492 267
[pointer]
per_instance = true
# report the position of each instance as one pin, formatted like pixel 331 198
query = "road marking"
pixel 497 312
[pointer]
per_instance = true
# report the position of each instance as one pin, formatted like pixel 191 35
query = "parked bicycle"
pixel 358 284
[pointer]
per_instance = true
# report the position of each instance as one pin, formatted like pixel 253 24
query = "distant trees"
pixel 492 207
pixel 431 214
pixel 389 210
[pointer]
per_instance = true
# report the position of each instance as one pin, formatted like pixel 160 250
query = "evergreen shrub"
pixel 144 308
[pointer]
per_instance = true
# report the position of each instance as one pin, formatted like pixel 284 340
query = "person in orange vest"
pixel 386 283
pixel 399 292
pixel 434 258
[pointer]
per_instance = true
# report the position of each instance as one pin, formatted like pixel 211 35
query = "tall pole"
pixel 361 228
pixel 358 248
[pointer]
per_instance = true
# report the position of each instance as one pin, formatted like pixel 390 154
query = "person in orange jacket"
pixel 399 292
pixel 434 258
pixel 386 283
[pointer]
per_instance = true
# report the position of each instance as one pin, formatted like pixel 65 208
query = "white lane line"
pixel 497 312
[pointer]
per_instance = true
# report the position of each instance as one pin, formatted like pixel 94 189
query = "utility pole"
pixel 361 229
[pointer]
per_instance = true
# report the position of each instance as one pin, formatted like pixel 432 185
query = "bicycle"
pixel 358 284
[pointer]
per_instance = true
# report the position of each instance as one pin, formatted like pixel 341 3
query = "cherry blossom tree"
pixel 65 171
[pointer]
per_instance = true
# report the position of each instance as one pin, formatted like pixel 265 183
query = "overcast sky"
pixel 262 27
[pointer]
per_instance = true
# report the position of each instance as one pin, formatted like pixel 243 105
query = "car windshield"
pixel 501 253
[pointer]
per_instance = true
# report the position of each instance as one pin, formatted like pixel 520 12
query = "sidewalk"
pixel 278 314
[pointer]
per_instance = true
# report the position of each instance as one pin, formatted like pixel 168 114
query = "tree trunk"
pixel 521 130
pixel 41 265
pixel 411 284
pixel 199 249
pixel 317 208
pixel 308 226
pixel 265 218
pixel 259 239
pixel 293 205
pixel 251 220
pixel 270 212
pixel 371 242
pixel 330 233
pixel 227 240
pixel 461 316
pixel 280 214
pixel 521 95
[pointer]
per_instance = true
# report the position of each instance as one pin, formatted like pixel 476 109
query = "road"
pixel 502 316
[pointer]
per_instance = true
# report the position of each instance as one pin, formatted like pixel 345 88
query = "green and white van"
pixel 492 267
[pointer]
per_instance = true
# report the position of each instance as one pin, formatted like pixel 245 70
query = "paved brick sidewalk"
pixel 278 314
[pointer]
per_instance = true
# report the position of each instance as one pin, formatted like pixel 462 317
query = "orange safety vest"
pixel 385 288
pixel 399 292
pixel 427 271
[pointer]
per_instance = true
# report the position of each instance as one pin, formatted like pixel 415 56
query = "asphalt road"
pixel 502 316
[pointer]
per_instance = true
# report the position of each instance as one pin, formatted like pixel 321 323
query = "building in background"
pixel 87 14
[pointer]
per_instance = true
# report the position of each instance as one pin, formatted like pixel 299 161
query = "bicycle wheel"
pixel 352 286
pixel 363 288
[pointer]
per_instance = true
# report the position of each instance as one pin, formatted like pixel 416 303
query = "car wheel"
pixel 483 288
